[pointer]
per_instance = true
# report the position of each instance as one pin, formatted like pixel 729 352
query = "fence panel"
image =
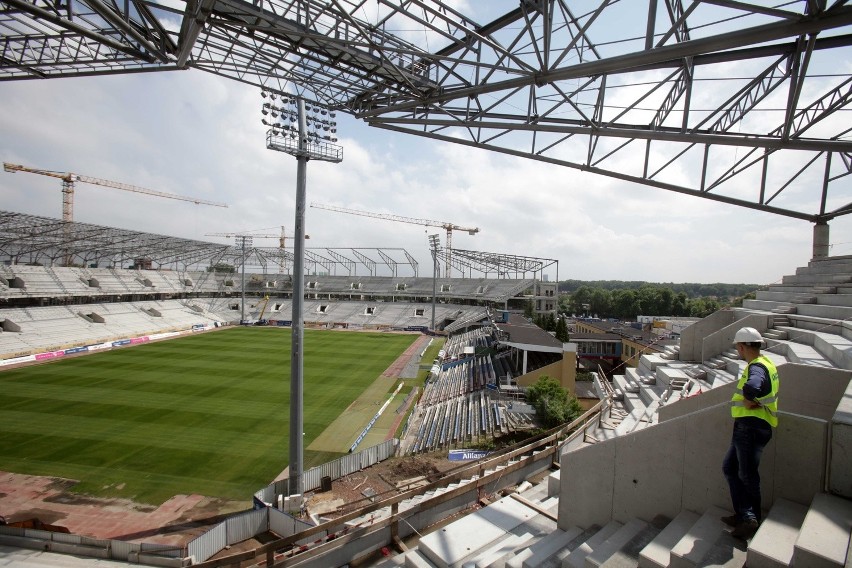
pixel 246 525
pixel 164 550
pixel 311 479
pixel 285 525
pixel 66 538
pixel 208 544
pixel 121 549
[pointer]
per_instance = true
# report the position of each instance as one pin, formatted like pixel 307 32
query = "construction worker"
pixel 754 408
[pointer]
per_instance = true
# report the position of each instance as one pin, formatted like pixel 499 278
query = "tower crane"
pixel 448 227
pixel 69 179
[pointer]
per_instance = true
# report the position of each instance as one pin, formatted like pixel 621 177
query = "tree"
pixel 529 309
pixel 561 330
pixel 553 404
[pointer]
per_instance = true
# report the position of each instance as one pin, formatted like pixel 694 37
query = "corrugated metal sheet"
pixel 121 550
pixel 208 544
pixel 163 550
pixel 284 525
pixel 13 531
pixel 70 538
pixel 246 525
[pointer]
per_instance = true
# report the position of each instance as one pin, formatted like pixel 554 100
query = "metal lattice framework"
pixel 742 102
pixel 42 240
pixel 498 264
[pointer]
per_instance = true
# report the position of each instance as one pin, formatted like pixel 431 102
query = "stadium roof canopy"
pixel 43 240
pixel 734 101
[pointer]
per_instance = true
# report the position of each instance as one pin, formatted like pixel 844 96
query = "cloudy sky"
pixel 199 135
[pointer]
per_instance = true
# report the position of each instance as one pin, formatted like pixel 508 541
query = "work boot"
pixel 746 529
pixel 731 521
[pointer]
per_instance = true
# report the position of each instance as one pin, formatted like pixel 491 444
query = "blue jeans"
pixel 741 465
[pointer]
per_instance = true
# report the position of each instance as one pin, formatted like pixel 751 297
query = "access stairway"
pixel 520 532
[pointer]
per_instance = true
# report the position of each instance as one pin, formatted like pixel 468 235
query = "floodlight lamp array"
pixel 283 117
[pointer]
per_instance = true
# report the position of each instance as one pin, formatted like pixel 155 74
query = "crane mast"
pixel 447 226
pixel 69 179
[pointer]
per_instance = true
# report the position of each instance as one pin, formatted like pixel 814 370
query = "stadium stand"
pixel 652 493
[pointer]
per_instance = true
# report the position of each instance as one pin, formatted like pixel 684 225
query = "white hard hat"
pixel 748 335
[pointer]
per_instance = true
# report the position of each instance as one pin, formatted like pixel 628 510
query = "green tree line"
pixel 648 300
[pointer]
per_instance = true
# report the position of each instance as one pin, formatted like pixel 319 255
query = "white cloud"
pixel 200 135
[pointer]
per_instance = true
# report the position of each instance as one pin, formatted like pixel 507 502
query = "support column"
pixel 821 240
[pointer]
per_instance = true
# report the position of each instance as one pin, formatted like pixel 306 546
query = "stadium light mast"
pixel 434 244
pixel 243 241
pixel 305 137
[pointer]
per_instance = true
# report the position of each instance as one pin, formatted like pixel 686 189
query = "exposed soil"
pixel 381 481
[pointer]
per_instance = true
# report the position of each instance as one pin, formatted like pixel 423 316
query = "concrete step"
pixel 503 547
pixel 577 558
pixel 536 554
pixel 773 545
pixel 657 554
pixel 414 559
pixel 699 539
pixel 823 540
pixel 821 279
pixel 614 543
pixel 628 555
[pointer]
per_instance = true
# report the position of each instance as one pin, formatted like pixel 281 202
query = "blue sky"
pixel 199 135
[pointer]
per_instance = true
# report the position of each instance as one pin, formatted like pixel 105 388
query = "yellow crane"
pixel 448 227
pixel 69 179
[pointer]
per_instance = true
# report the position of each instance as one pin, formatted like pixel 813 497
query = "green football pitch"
pixel 205 414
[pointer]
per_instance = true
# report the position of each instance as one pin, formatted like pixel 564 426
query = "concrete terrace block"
pixel 503 547
pixel 823 540
pixel 587 499
pixel 642 488
pixel 414 559
pixel 657 554
pixel 703 484
pixel 800 454
pixel 773 545
pixel 699 539
pixel 536 554
pixel 449 545
pixel 614 543
pixel 840 465
pixel 577 558
pixel 553 483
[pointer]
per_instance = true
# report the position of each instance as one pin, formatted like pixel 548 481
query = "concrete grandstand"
pixel 635 482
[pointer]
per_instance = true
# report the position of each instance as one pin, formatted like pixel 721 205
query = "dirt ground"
pixel 381 481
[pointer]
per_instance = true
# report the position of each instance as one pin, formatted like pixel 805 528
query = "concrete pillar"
pixel 821 241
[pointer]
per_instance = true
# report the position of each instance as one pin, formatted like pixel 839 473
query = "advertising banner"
pixel 76 350
pixel 49 355
pixel 464 455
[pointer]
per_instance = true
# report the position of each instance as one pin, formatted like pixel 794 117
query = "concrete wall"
pixel 840 465
pixel 690 338
pixel 677 465
pixel 805 389
pixel 722 340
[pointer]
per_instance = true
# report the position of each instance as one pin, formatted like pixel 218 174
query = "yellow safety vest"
pixel 768 409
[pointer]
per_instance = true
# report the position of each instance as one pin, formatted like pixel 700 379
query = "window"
pixel 355 286
pixel 369 310
pixel 322 308
pixel 312 285
pixel 445 287
pixel 401 286
pixel 418 312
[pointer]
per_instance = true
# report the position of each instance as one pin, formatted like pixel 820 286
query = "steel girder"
pixel 503 265
pixel 741 102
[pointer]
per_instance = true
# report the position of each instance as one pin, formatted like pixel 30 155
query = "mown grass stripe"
pixel 204 414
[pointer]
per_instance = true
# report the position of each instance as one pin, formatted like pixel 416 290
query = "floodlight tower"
pixel 305 137
pixel 434 245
